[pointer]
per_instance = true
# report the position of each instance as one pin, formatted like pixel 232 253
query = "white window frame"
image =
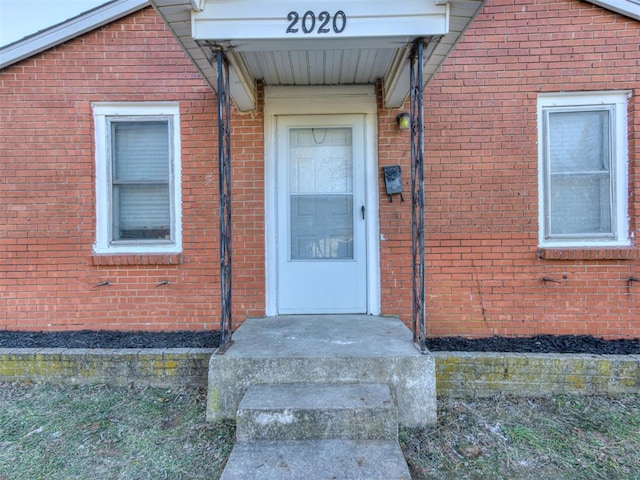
pixel 103 114
pixel 616 102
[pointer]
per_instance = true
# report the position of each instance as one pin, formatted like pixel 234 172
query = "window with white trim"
pixel 583 169
pixel 137 178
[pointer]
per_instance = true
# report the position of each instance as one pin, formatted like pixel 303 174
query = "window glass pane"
pixel 141 151
pixel 580 204
pixel 579 141
pixel 141 212
pixel 579 173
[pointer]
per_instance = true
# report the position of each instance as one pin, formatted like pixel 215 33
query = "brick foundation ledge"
pixel 458 374
pixel 173 367
pixel 479 374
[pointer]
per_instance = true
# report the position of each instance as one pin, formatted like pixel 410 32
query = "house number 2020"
pixel 308 22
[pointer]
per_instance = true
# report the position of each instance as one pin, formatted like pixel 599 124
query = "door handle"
pixel 362 210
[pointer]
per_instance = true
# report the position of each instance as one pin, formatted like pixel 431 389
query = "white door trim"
pixel 322 101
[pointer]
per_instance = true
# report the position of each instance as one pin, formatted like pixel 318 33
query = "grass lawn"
pixel 547 438
pixel 101 432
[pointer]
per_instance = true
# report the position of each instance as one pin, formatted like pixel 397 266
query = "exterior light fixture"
pixel 404 121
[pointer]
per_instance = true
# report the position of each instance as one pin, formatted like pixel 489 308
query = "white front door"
pixel 321 214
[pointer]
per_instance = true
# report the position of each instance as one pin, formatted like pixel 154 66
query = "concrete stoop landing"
pixel 321 396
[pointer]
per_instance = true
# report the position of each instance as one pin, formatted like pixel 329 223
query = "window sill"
pixel 593 253
pixel 130 259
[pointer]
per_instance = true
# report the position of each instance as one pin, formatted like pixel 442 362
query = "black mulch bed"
pixel 210 339
pixel 109 339
pixel 537 344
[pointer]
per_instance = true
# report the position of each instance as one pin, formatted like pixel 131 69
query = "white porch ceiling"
pixel 328 61
pixel 319 67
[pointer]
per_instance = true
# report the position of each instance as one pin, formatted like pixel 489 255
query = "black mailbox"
pixel 393 181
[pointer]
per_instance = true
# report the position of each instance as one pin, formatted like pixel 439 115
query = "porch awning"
pixel 337 42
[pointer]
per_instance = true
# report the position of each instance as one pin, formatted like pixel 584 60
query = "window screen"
pixel 141 161
pixel 578 178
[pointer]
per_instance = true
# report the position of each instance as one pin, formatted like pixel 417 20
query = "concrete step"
pixel 325 349
pixel 317 411
pixel 317 460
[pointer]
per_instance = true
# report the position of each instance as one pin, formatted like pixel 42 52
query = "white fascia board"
pixel 177 16
pixel 242 86
pixel 460 14
pixel 629 8
pixel 197 5
pixel 257 21
pixel 67 30
pixel 396 82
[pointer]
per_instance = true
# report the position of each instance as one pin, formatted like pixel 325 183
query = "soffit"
pixel 336 61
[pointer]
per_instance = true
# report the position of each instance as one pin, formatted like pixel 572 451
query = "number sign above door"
pixel 382 21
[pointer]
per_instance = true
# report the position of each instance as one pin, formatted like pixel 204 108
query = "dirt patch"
pixel 211 339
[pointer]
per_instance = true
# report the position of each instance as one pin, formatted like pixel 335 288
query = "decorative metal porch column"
pixel 224 175
pixel 417 193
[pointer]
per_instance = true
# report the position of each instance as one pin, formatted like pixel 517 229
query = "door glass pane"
pixel 321 227
pixel 321 193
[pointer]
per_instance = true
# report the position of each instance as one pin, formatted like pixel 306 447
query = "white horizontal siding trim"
pixel 321 100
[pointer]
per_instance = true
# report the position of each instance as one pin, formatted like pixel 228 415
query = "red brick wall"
pixel 394 148
pixel 483 267
pixel 47 186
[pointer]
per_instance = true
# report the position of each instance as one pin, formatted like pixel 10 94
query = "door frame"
pixel 322 101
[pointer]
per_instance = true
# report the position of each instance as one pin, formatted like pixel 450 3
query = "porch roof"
pixel 376 45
